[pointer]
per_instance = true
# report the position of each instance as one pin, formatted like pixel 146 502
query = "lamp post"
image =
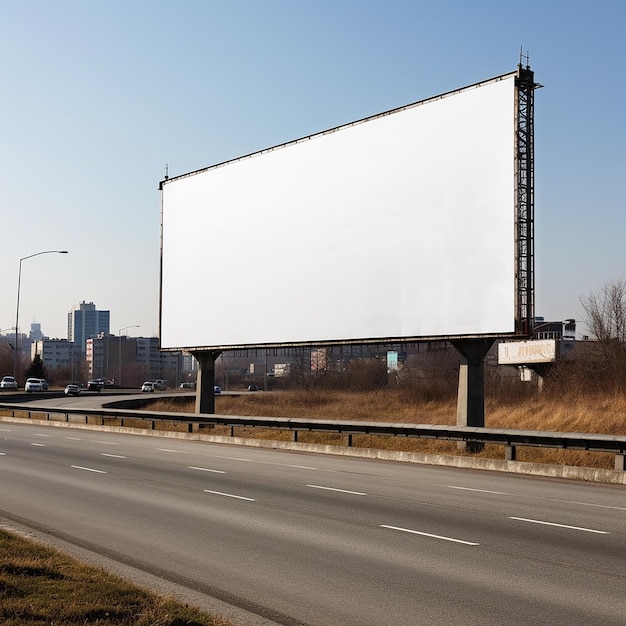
pixel 5 329
pixel 17 308
pixel 119 341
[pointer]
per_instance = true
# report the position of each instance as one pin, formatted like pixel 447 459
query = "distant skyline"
pixel 99 98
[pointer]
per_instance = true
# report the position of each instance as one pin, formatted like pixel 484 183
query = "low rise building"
pixel 57 353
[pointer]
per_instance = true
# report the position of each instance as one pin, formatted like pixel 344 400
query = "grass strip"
pixel 41 586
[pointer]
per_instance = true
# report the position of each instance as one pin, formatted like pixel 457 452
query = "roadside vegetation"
pixel 575 410
pixel 42 587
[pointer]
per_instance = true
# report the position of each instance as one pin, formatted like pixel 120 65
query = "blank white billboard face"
pixel 396 227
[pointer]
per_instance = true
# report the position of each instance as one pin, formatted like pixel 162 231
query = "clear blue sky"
pixel 98 96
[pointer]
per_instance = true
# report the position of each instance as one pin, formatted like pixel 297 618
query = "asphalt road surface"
pixel 297 538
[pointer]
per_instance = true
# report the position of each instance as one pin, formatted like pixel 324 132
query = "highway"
pixel 292 538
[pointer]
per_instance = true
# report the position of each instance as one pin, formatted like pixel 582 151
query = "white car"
pixel 147 386
pixel 33 384
pixel 8 382
pixel 72 390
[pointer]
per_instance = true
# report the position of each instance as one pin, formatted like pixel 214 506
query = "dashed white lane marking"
pixel 106 443
pixel 229 495
pixel 506 493
pixel 41 435
pixel 74 438
pixel 170 450
pixel 499 493
pixel 355 493
pixel 537 521
pixel 88 469
pixel 417 532
pixel 114 456
pixel 206 469
pixel 41 445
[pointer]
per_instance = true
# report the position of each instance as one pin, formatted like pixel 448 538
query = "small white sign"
pixel 520 352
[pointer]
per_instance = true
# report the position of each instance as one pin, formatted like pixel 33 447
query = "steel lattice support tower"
pixel 525 200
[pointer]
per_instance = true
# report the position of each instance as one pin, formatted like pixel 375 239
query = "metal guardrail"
pixel 510 439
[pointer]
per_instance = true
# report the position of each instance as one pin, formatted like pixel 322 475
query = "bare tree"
pixel 606 320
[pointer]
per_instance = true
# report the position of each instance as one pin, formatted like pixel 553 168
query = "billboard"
pixel 397 227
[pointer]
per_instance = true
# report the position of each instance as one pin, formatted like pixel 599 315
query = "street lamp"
pixel 17 308
pixel 119 341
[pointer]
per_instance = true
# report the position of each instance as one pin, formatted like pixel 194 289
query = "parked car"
pixel 8 382
pixel 72 390
pixel 252 388
pixel 187 385
pixel 147 386
pixel 33 384
pixel 217 389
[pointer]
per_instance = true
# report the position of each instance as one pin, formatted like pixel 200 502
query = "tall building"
pixel 84 322
pixel 35 332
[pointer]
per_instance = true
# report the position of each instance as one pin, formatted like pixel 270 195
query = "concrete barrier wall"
pixel 516 467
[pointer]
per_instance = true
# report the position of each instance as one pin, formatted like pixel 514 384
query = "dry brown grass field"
pixel 591 413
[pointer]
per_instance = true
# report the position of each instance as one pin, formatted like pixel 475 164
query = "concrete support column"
pixel 205 382
pixel 470 409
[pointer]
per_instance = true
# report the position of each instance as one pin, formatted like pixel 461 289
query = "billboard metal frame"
pixel 525 200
